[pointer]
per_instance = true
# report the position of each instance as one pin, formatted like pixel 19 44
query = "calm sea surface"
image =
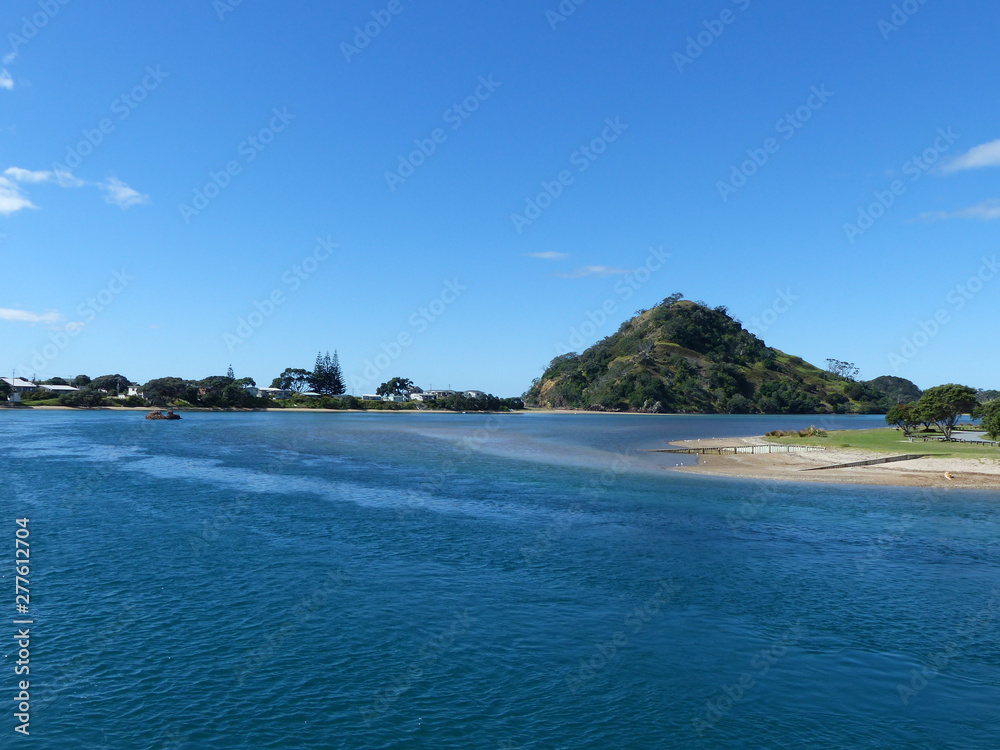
pixel 496 582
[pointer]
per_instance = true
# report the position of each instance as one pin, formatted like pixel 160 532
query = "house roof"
pixel 18 382
pixel 62 388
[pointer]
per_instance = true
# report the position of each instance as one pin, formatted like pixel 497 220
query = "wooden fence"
pixel 734 449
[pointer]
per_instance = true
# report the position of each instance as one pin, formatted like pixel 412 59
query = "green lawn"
pixel 888 440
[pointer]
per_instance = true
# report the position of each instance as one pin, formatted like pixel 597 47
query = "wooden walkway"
pixel 726 450
pixel 873 461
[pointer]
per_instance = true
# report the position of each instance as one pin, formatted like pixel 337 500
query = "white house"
pixel 133 390
pixel 371 397
pixel 473 394
pixel 19 386
pixel 395 397
pixel 423 397
pixel 442 393
pixel 276 393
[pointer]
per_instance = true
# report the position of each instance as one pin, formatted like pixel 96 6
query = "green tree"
pixel 845 370
pixel 990 414
pixel 110 383
pixel 81 381
pixel 293 379
pixel 5 390
pixel 904 416
pixel 326 378
pixel 85 398
pixel 944 404
pixel 163 391
pixel 396 386
pixel 55 381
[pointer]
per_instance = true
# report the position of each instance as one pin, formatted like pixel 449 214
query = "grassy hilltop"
pixel 683 356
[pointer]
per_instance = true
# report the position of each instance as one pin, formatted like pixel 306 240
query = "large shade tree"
pixel 944 404
pixel 395 387
pixel 904 416
pixel 293 379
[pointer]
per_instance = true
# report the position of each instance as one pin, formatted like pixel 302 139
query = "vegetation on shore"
pixel 889 440
pixel 321 388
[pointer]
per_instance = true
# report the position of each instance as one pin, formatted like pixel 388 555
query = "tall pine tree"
pixel 326 377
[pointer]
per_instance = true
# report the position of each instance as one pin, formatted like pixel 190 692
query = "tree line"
pixel 943 406
pixel 324 383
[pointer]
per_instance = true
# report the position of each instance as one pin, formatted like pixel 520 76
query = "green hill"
pixel 683 356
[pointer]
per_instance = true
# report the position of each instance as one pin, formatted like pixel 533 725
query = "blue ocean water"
pixel 471 581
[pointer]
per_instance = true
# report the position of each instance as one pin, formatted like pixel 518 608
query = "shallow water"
pixel 467 581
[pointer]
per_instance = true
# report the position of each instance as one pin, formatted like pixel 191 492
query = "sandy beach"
pixel 963 473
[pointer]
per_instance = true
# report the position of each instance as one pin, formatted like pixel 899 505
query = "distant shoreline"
pixel 965 473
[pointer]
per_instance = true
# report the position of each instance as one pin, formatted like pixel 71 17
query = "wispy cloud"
pixel 59 177
pixel 585 271
pixel 985 211
pixel 26 316
pixel 13 197
pixel 6 80
pixel 986 155
pixel 117 193
pixel 548 255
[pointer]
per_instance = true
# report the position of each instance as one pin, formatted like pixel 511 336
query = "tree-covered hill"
pixel 683 356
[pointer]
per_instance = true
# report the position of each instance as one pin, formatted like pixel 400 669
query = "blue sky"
pixel 456 193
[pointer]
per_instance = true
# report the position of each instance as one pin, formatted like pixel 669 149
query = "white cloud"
pixel 117 193
pixel 6 81
pixel 548 255
pixel 986 155
pixel 595 271
pixel 26 316
pixel 13 198
pixel 9 58
pixel 985 211
pixel 60 177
